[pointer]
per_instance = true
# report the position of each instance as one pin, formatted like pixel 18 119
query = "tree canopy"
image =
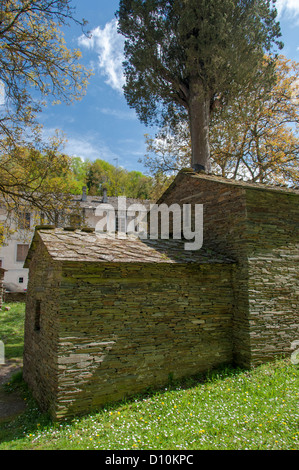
pixel 187 57
pixel 35 66
pixel 255 138
pixel 118 181
pixel 31 179
pixel 34 60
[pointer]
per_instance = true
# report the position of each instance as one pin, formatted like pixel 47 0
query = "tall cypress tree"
pixel 188 56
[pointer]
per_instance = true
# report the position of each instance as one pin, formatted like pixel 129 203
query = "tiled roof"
pixel 189 173
pixel 92 202
pixel 64 245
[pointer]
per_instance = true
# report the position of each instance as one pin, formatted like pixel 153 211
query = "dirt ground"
pixel 11 404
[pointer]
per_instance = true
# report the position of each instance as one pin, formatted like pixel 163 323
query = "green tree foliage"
pixel 254 138
pixel 257 137
pixel 35 63
pixel 35 67
pixel 185 57
pixel 117 181
pixel 29 178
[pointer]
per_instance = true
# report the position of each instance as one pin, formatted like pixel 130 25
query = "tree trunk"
pixel 199 117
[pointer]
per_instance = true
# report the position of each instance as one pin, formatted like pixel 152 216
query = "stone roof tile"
pixel 246 185
pixel 64 245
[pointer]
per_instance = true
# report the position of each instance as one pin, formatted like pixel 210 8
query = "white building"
pixel 15 249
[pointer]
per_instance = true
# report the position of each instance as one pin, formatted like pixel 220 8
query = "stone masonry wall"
pixel 124 328
pixel 273 256
pixel 111 329
pixel 258 227
pixel 224 227
pixel 41 329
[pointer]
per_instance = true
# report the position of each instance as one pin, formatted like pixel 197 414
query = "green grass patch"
pixel 227 409
pixel 224 410
pixel 12 329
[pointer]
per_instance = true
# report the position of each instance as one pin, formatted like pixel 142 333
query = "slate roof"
pixel 247 185
pixel 92 202
pixel 65 245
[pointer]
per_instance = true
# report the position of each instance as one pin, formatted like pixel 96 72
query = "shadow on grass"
pixel 32 420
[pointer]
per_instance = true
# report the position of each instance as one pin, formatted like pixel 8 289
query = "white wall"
pixel 8 256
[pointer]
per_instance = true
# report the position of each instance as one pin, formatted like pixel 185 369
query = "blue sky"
pixel 102 125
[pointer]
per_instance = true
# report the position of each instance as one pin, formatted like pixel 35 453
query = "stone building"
pixel 82 212
pixel 108 317
pixel 257 226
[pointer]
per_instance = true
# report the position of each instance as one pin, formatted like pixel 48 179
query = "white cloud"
pixel 108 44
pixel 89 146
pixel 287 7
pixel 126 115
pixel 87 150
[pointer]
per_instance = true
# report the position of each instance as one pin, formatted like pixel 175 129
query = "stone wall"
pixel 123 328
pixel 273 256
pixel 99 331
pixel 41 337
pixel 258 227
pixel 224 226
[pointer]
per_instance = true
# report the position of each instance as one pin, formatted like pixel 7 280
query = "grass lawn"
pixel 226 409
pixel 12 330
